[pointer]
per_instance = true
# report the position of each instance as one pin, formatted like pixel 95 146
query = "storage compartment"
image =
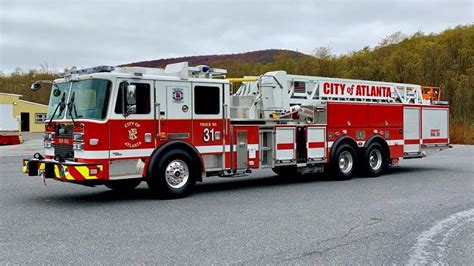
pixel 435 125
pixel 346 115
pixel 241 149
pixel 385 115
pixel 266 145
pixel 285 138
pixel 212 161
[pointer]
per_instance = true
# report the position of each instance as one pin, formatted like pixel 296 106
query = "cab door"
pixel 131 127
pixel 209 123
pixel 132 133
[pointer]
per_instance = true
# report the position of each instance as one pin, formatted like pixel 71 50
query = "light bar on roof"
pixel 90 70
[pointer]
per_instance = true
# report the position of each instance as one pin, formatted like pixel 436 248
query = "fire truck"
pixel 172 127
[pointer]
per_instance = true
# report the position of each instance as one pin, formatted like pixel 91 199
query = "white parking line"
pixel 430 247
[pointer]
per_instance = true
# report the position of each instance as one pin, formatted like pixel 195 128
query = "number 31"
pixel 208 134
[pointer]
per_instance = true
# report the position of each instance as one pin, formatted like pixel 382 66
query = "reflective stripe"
pixel 84 171
pixel 395 142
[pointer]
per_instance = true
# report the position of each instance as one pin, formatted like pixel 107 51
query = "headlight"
pixel 78 136
pixel 47 144
pixel 78 146
pixel 48 136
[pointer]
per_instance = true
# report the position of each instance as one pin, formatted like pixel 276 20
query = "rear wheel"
pixel 123 185
pixel 374 160
pixel 174 175
pixel 343 162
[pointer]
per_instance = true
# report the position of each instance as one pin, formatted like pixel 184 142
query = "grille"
pixel 64 150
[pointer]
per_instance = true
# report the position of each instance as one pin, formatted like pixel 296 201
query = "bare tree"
pixel 393 38
pixel 323 52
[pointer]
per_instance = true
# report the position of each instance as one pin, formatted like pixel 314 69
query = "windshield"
pixel 58 90
pixel 89 99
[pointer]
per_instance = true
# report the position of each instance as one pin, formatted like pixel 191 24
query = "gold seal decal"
pixel 132 134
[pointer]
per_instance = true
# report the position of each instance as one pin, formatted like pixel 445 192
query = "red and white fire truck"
pixel 172 127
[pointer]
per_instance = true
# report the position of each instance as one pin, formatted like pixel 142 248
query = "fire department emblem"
pixel 132 130
pixel 132 134
pixel 178 95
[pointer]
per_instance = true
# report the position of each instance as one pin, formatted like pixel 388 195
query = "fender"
pixel 379 139
pixel 372 138
pixel 170 145
pixel 339 140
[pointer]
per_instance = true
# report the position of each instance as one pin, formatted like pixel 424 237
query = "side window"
pixel 40 118
pixel 142 95
pixel 206 100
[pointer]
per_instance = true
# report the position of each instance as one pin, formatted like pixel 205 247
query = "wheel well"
pixel 380 141
pixel 176 145
pixel 343 140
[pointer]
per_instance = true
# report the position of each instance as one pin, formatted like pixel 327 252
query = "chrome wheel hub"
pixel 375 159
pixel 345 162
pixel 177 173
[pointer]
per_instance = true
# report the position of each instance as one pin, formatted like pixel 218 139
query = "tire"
pixel 174 175
pixel 285 171
pixel 343 162
pixel 123 185
pixel 374 160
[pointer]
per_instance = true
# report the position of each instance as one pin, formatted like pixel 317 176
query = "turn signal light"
pixel 163 135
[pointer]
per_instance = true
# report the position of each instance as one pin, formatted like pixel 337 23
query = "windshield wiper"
pixel 61 106
pixel 71 106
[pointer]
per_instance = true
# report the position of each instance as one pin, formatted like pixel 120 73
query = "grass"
pixel 461 133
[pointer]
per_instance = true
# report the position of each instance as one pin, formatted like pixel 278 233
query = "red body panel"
pixel 347 115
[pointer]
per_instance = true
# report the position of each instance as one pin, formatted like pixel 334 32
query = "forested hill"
pixel 260 57
pixel 445 59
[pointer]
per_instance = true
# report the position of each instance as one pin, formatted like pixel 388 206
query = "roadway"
pixel 421 212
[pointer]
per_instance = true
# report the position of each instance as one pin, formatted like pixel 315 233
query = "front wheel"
pixel 375 160
pixel 174 175
pixel 343 162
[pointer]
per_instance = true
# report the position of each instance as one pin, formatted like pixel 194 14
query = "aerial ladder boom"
pixel 277 91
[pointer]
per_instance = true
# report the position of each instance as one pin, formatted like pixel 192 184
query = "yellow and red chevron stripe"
pixel 68 172
pixel 77 172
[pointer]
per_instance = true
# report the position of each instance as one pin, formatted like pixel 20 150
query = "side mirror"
pixel 131 95
pixel 35 86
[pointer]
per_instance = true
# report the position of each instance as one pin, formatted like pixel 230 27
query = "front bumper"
pixel 68 171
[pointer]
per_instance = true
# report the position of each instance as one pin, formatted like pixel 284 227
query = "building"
pixel 17 114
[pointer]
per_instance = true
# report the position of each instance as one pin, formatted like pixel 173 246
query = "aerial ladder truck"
pixel 173 127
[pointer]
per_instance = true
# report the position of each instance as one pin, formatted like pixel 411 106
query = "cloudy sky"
pixel 63 33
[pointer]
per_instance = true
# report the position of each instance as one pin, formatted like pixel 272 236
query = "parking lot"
pixel 421 211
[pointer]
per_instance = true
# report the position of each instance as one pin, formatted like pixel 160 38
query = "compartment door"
pixel 285 145
pixel 316 144
pixel 411 129
pixel 242 149
pixel 435 126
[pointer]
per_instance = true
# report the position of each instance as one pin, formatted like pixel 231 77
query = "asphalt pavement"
pixel 422 211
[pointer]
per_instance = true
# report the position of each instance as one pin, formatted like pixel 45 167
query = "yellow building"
pixel 28 116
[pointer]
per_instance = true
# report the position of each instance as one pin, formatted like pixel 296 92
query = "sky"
pixel 64 33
